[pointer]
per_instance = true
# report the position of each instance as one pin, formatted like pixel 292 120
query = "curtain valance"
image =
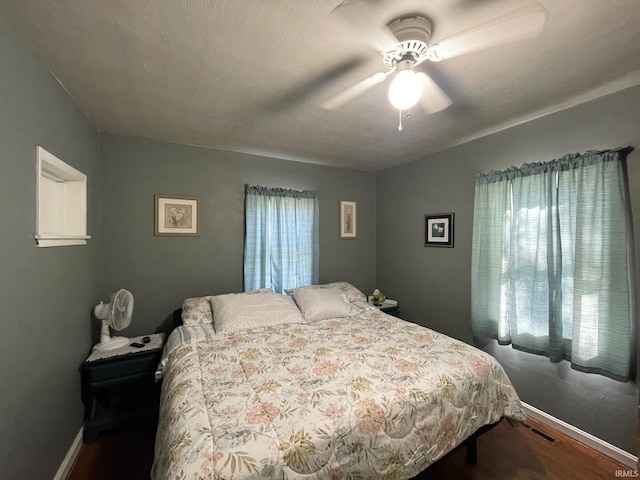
pixel 568 162
pixel 279 192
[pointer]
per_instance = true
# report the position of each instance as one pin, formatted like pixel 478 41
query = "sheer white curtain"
pixel 281 247
pixel 552 261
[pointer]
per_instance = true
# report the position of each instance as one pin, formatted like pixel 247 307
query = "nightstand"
pixel 118 386
pixel 390 309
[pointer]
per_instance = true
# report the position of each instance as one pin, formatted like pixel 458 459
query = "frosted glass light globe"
pixel 405 90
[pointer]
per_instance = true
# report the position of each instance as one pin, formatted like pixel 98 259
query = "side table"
pixel 118 386
pixel 390 309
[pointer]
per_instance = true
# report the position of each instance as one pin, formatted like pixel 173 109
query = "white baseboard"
pixel 70 458
pixel 583 437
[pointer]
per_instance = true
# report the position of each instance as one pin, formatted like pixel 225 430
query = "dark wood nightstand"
pixel 391 309
pixel 118 387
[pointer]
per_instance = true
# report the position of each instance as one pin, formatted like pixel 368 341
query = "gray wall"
pixel 46 294
pixel 434 284
pixel 162 271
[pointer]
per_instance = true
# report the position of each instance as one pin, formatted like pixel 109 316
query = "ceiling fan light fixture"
pixel 405 89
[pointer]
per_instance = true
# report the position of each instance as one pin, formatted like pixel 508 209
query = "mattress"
pixel 365 396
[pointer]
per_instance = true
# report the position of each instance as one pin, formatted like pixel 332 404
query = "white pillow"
pixel 351 293
pixel 322 303
pixel 197 310
pixel 234 312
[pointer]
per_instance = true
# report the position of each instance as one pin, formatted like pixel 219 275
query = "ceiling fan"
pixel 405 43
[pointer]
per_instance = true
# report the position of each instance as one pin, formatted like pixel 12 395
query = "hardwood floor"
pixel 504 453
pixel 514 453
pixel 125 455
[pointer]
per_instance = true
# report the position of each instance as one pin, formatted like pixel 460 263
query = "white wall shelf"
pixel 61 191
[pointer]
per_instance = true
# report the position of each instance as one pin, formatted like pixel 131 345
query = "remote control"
pixel 146 339
pixel 137 345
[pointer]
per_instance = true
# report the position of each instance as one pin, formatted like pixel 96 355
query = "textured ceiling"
pixel 249 75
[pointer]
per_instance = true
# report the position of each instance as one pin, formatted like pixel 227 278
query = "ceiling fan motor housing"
pixel 414 34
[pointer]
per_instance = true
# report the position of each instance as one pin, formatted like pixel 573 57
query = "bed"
pixel 316 384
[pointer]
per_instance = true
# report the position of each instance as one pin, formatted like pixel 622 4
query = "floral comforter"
pixel 370 396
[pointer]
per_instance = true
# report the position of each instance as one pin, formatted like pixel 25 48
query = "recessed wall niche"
pixel 61 191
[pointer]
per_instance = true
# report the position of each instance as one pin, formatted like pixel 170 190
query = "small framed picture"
pixel 348 220
pixel 438 230
pixel 176 216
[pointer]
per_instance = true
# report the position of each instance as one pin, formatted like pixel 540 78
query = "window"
pixel 61 202
pixel 552 261
pixel 281 238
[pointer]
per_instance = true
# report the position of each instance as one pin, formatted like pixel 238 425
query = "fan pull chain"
pixel 399 120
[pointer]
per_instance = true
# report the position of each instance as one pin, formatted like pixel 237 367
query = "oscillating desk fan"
pixel 115 314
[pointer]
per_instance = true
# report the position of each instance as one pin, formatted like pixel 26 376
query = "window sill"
pixel 60 240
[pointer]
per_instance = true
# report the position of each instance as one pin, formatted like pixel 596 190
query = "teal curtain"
pixel 281 248
pixel 552 261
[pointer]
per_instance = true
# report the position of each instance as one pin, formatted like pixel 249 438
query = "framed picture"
pixel 438 230
pixel 348 220
pixel 176 216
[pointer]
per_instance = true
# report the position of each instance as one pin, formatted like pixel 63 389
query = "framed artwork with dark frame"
pixel 176 216
pixel 348 220
pixel 438 230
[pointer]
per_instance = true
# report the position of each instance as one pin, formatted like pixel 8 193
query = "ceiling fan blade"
pixel 515 26
pixel 354 90
pixel 294 95
pixel 358 16
pixel 433 99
